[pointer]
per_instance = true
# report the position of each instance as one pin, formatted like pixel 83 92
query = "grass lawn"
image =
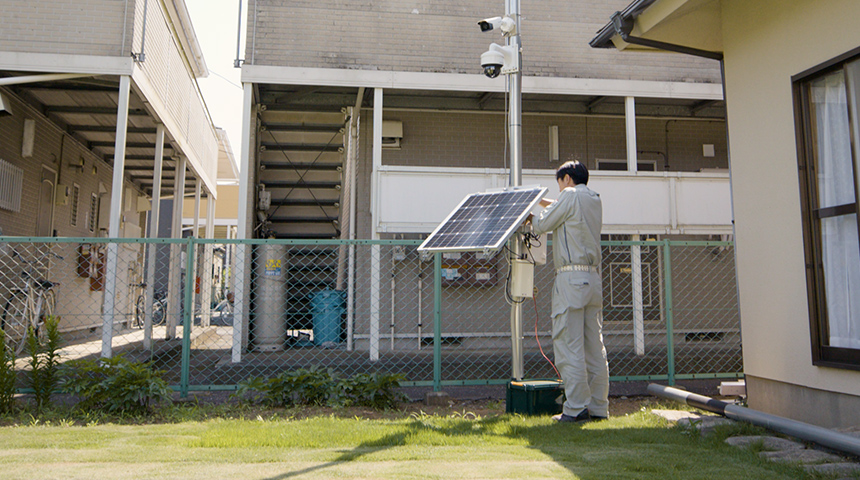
pixel 459 445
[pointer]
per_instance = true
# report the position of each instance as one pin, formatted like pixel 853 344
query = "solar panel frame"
pixel 502 217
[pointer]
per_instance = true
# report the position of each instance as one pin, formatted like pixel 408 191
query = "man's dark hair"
pixel 577 171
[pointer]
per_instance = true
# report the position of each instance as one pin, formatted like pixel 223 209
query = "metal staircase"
pixel 300 166
pixel 301 158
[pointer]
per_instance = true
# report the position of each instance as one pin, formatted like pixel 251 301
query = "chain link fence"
pixel 211 313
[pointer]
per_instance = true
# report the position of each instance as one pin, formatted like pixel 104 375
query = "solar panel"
pixel 483 221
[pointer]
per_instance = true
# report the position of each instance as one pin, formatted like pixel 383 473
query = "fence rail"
pixel 211 313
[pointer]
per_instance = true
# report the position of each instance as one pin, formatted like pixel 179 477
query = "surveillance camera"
pixel 492 61
pixel 506 24
pixel 488 24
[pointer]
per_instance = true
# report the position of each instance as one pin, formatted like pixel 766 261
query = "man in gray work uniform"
pixel 576 219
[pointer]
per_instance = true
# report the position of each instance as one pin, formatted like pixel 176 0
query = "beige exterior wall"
pixel 94 27
pixel 765 43
pixel 443 36
pixel 445 139
pixel 226 206
pixel 56 150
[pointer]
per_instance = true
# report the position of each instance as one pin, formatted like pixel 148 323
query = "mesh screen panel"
pixel 212 313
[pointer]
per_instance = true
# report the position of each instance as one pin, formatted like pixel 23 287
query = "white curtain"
pixel 840 245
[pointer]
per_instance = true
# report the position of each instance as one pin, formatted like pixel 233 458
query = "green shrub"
pixel 115 385
pixel 316 386
pixel 373 390
pixel 298 387
pixel 7 375
pixel 43 376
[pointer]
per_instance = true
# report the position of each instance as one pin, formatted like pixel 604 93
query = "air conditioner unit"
pixel 392 133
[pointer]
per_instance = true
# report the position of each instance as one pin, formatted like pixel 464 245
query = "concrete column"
pixel 112 260
pixel 206 267
pixel 630 119
pixel 174 291
pixel 154 219
pixel 241 275
pixel 375 260
pixel 197 193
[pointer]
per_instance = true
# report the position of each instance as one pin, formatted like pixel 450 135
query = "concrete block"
pixel 733 389
pixel 440 399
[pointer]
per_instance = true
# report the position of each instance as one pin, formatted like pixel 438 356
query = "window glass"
pixel 829 112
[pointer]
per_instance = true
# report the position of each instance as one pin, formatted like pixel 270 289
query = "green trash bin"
pixel 327 308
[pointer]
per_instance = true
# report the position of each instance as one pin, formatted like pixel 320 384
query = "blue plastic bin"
pixel 327 308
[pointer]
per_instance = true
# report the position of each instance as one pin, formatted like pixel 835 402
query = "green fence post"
pixel 187 317
pixel 670 329
pixel 437 322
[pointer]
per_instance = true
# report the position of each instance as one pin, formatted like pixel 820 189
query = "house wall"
pixel 94 27
pixel 442 36
pixel 55 149
pixel 445 139
pixel 765 43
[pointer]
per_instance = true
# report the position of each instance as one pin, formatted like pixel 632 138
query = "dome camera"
pixel 492 61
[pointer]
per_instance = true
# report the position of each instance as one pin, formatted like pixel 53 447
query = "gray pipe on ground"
pixel 804 431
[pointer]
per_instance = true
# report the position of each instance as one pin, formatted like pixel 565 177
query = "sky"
pixel 216 28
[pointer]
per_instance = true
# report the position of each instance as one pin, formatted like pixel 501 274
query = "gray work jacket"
pixel 575 220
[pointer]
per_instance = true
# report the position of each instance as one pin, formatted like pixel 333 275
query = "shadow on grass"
pixel 619 448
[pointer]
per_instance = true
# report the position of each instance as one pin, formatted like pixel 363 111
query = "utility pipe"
pixel 393 291
pixel 804 431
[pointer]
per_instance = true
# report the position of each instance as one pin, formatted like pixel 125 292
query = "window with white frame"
pixel 827 101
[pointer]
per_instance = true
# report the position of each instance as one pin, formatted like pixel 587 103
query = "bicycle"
pixel 159 308
pixel 28 306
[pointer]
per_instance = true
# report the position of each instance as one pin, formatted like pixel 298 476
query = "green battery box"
pixel 535 397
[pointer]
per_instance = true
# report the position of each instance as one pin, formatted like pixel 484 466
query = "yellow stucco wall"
pixel 766 42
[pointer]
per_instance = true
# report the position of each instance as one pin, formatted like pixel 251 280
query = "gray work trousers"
pixel 577 342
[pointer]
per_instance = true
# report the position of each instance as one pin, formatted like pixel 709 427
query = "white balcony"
pixel 417 199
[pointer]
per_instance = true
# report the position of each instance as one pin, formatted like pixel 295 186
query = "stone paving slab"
pixel 769 443
pixel 840 469
pixel 801 456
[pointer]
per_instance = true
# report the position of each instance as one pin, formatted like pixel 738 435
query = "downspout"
pixel 804 431
pixel 141 57
pixel 238 61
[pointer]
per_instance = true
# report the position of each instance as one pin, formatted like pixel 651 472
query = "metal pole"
pixel 638 307
pixel 670 328
pixel 515 130
pixel 437 322
pixel 154 221
pixel 115 213
pixel 187 318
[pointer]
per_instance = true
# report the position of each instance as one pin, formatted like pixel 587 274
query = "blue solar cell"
pixel 483 221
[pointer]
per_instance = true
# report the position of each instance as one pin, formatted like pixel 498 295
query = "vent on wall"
pixel 11 184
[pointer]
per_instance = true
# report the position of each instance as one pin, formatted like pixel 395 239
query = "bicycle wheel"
pixel 15 321
pixel 139 312
pixel 159 312
pixel 49 304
